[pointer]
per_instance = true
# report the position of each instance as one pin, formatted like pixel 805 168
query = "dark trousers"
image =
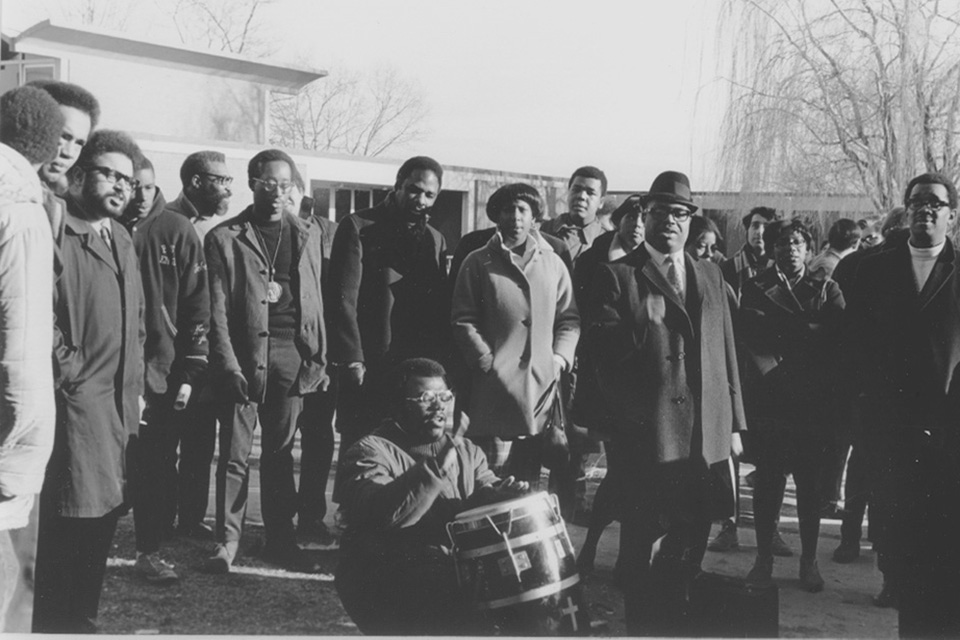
pixel 18 559
pixel 277 415
pixel 317 444
pixel 71 562
pixel 857 496
pixel 780 451
pixel 160 489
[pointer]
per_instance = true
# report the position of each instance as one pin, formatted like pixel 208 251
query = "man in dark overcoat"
pixel 99 352
pixel 662 338
pixel 905 328
pixel 388 286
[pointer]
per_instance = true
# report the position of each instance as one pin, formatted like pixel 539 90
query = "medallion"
pixel 273 292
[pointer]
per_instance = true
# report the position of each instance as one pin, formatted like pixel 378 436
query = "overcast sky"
pixel 537 86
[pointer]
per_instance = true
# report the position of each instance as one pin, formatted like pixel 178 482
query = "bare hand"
pixel 355 372
pixel 736 445
pixel 510 487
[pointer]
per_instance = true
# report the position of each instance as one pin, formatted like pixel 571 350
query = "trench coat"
pixel 99 337
pixel 518 318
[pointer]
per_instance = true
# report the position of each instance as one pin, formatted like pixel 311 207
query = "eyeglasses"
pixel 791 243
pixel 679 213
pixel 927 203
pixel 115 177
pixel 272 185
pixel 223 181
pixel 427 398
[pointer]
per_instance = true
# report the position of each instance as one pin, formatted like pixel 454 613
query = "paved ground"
pixel 259 599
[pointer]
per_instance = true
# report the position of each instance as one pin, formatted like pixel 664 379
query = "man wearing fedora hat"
pixel 662 340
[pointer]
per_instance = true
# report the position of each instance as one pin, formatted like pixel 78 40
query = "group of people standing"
pixel 167 318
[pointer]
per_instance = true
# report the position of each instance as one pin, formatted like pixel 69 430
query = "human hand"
pixel 485 363
pixel 236 388
pixel 736 445
pixel 510 487
pixel 559 365
pixel 355 372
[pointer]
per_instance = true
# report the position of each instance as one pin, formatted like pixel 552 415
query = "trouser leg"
pixel 856 496
pixel 807 458
pixel 19 615
pixel 768 488
pixel 278 422
pixel 198 432
pixel 317 446
pixel 233 472
pixel 153 476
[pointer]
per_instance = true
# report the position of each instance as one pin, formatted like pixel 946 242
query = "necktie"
pixel 105 234
pixel 673 277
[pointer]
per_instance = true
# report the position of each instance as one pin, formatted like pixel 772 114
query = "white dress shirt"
pixel 663 260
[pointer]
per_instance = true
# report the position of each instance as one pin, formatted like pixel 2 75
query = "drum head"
pixel 533 501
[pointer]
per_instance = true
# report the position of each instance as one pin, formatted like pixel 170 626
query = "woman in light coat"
pixel 516 323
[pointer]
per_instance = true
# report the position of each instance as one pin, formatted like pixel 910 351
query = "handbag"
pixel 553 437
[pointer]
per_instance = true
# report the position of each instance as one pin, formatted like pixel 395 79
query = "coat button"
pixel 679 400
pixel 261 367
pixel 525 322
pixel 263 272
pixel 263 302
pixel 264 334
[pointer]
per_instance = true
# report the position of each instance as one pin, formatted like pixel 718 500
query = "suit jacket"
pixel 792 343
pixel 239 316
pixel 390 295
pixel 668 367
pixel 99 348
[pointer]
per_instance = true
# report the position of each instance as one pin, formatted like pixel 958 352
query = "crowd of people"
pixel 137 332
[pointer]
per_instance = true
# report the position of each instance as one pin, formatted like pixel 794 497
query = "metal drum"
pixel 515 561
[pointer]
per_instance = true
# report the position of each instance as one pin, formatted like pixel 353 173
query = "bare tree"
pixel 233 26
pixel 104 14
pixel 851 96
pixel 350 112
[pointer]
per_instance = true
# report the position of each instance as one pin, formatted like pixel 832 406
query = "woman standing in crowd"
pixel 703 239
pixel 516 324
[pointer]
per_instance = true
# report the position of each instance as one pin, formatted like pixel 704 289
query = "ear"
pixel 195 181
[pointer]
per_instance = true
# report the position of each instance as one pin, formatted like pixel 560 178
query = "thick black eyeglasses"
pixel 272 185
pixel 927 203
pixel 680 214
pixel 223 181
pixel 429 397
pixel 115 177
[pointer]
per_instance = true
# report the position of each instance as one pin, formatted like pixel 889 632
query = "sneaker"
pixel 762 572
pixel 222 558
pixel 727 540
pixel 154 570
pixel 810 578
pixel 887 597
pixel 290 557
pixel 779 548
pixel 847 552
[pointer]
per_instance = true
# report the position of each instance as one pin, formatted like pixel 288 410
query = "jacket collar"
pixel 944 270
pixel 647 269
pixel 243 224
pixel 89 239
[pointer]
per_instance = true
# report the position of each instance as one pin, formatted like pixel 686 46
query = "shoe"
pixel 847 552
pixel 780 548
pixel 154 570
pixel 887 597
pixel 199 531
pixel 290 557
pixel 222 558
pixel 810 578
pixel 727 540
pixel 317 534
pixel 762 572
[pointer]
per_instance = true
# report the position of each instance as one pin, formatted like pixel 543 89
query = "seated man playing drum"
pixel 401 485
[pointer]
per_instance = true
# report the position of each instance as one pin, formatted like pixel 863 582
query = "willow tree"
pixel 840 96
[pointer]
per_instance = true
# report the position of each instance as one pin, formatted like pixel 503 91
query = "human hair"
pixel 590 172
pixel 767 213
pixel 198 162
pixel 894 220
pixel 507 194
pixel 419 163
pixel 106 141
pixel 843 234
pixel 933 178
pixel 415 368
pixel 779 228
pixel 700 225
pixel 31 123
pixel 257 162
pixel 144 164
pixel 71 95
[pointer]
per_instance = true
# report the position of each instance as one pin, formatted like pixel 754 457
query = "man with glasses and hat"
pixel 267 349
pixel 98 307
pixel 905 341
pixel 661 335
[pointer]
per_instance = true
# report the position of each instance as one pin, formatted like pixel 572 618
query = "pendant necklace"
pixel 273 287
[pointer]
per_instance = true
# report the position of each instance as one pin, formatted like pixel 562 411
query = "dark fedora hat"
pixel 633 202
pixel 671 186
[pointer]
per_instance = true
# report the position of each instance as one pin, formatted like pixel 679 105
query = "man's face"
pixel 584 198
pixel 930 214
pixel 76 130
pixel 416 195
pixel 790 253
pixel 271 190
pixel 104 187
pixel 515 222
pixel 755 233
pixel 631 229
pixel 143 197
pixel 211 190
pixel 425 420
pixel 666 226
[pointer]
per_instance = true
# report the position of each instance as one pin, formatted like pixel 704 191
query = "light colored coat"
pixel 509 322
pixel 27 414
